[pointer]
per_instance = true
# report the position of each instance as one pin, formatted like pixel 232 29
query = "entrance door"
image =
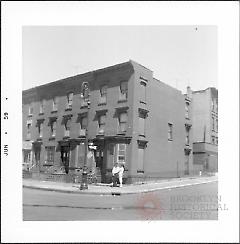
pixel 65 157
pixel 110 156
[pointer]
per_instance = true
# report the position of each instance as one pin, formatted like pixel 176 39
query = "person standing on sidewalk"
pixel 117 172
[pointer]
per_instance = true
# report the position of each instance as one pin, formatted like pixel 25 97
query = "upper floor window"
pixel 83 125
pixel 29 130
pixel 213 123
pixel 170 131
pixel 101 123
pixel 103 95
pixel 187 110
pixel 67 127
pixel 123 90
pixel 53 128
pixel 40 128
pixel 216 125
pixel 69 100
pixel 30 110
pixel 55 104
pixel 122 118
pixel 187 135
pixel 42 105
pixel 213 139
pixel 143 86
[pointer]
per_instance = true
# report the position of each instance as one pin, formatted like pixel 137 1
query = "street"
pixel 197 202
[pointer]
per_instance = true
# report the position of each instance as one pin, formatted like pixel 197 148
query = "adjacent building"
pixel 132 118
pixel 205 129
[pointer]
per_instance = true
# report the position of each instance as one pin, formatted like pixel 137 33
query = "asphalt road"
pixel 198 202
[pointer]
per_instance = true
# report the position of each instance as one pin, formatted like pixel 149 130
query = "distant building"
pixel 133 118
pixel 205 129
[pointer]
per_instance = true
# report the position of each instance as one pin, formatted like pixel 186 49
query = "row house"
pixel 132 117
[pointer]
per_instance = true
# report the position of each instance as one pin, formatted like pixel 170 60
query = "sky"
pixel 178 55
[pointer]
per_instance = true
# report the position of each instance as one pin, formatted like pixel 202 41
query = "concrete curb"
pixel 118 193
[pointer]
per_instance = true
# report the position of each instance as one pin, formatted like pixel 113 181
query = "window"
pixel 55 104
pixel 53 128
pixel 143 92
pixel 83 125
pixel 123 90
pixel 50 151
pixel 28 131
pixel 170 134
pixel 216 140
pixel 140 162
pixel 67 128
pixel 69 100
pixel 213 124
pixel 103 95
pixel 101 123
pixel 30 111
pixel 40 129
pixel 216 125
pixel 122 122
pixel 121 153
pixel 212 105
pixel 187 110
pixel 187 135
pixel 42 105
pixel 213 140
pixel 141 124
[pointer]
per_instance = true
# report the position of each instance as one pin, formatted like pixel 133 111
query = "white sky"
pixel 178 55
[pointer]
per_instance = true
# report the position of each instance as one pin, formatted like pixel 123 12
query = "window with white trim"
pixel 123 90
pixel 50 151
pixel 122 119
pixel 101 123
pixel 55 104
pixel 143 87
pixel 53 128
pixel 69 100
pixel 67 127
pixel 103 95
pixel 121 152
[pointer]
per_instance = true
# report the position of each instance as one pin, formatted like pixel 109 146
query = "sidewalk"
pixel 104 189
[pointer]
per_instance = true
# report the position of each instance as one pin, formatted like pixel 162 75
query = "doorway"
pixel 65 151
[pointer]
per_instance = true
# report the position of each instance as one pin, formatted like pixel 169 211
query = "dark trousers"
pixel 115 179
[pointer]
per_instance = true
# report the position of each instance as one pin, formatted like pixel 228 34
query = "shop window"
pixel 123 91
pixel 170 132
pixel 103 95
pixel 121 153
pixel 122 118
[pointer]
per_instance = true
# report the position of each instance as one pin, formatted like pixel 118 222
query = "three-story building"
pixel 133 118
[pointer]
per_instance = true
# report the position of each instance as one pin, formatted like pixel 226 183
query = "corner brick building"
pixel 133 117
